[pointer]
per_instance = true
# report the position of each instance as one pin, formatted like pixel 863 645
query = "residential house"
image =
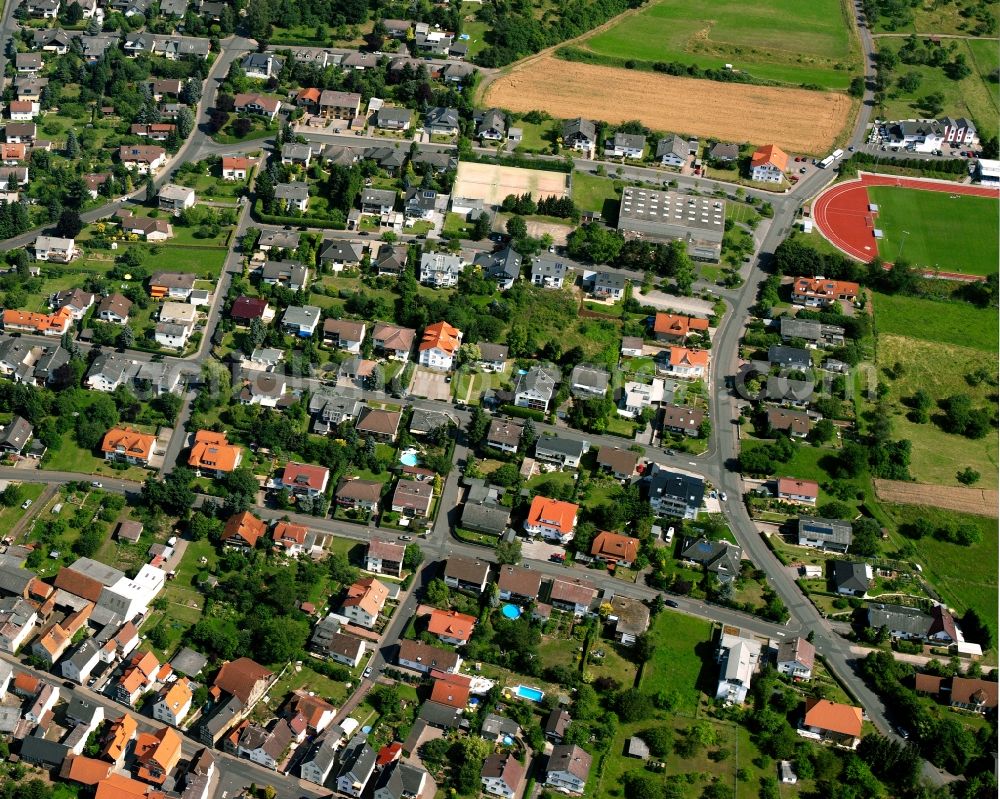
pixel 768 164
pixel 175 198
pixel 615 549
pixel 125 445
pixel 556 725
pixel 552 519
pixel 378 201
pixel 609 285
pixel 796 658
pixel 145 227
pixel 301 320
pixel 619 462
pixel 412 498
pixel 425 658
pixel 683 420
pixel 831 535
pixel 391 260
pixel 318 763
pixel 440 270
pixel 568 769
pixel 339 647
pixel 852 578
pixel 483 511
pixel 265 359
pixel 572 596
pixel 53 248
pixel 672 151
pixel 339 105
pixel 157 754
pixel 55 324
pixel 466 574
pixel 357 764
pixel 253 103
pixel 536 387
pixel 441 121
pixel 291 274
pixel 380 424
pixel 293 196
pixel 385 557
pixel 811 332
pixel 243 531
pixel 588 381
pixel 548 273
pixel 450 626
pixel 518 584
pixel 246 309
pixel 738 659
pixel 717 557
pixel 825 720
pixel 338 255
pixel 567 452
pixel 724 154
pixel 673 493
pixel 504 434
pixel 212 453
pixel 144 159
pixel 294 153
pixel 17 623
pixel 795 423
pixel 236 167
pixel 391 118
pixel 687 364
pixel 15 435
pixel 23 110
pixel 503 267
pixel 804 492
pixel 261 66
pixel 108 371
pixel 76 300
pixel 174 702
pixel 789 357
pixel 629 618
pixel 626 145
pixel 579 134
pixel 400 780
pixel 492 357
pixel 501 775
pixel 394 342
pixel 138 675
pixel 439 346
pixel 265 747
pixel 938 626
pixel 114 308
pixel 172 336
pixel 171 285
pixel 816 292
pixel 675 328
pixel 331 411
pixel 491 125
pixel 363 495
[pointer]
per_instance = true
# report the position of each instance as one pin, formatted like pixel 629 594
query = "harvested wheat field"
pixel 797 120
pixel 978 501
pixel 491 183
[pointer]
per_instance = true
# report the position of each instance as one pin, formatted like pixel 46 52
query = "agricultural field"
pixel 778 40
pixel 941 322
pixel 938 455
pixel 798 120
pixel 972 96
pixel 925 225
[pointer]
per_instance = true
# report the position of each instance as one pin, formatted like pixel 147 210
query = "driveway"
pixel 430 384
pixel 539 550
pixel 691 305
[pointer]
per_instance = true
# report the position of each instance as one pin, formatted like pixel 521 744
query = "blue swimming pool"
pixel 508 741
pixel 409 457
pixel 531 694
pixel 511 611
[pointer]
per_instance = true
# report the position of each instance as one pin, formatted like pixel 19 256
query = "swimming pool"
pixel 508 741
pixel 511 611
pixel 531 694
pixel 409 457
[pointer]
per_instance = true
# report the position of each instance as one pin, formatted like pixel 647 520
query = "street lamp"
pixel 901 243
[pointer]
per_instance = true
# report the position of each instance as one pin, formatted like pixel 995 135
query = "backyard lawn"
pixel 683 646
pixel 595 193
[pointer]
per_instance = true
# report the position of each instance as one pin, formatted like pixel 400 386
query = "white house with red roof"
pixel 439 346
pixel 552 519
pixel 304 478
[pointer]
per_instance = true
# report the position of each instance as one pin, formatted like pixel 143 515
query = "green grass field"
pixel 966 577
pixel 677 661
pixel 926 226
pixel 972 96
pixel 937 456
pixel 594 193
pixel 779 40
pixel 931 320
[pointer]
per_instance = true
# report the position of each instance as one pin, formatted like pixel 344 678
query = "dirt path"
pixel 978 501
pixel 22 523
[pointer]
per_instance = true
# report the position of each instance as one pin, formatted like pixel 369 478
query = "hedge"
pixel 309 221
pixel 523 413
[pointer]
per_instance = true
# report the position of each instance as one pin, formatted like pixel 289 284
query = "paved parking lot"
pixel 430 385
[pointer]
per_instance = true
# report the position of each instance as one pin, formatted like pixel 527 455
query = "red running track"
pixel 842 216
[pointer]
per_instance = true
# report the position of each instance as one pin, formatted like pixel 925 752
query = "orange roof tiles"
pixel 236 162
pixel 451 623
pixel 677 325
pixel 682 356
pixel 212 451
pixel 158 753
pixel 442 336
pixel 552 513
pixel 800 488
pixel 310 95
pixel 244 526
pixel 615 546
pixel 121 731
pixel 368 594
pixel 770 154
pixel 132 442
pixel 118 787
pixel 26 684
pixel 85 770
pixel 288 533
pixel 833 716
pixel 450 694
pixel 146 662
pixel 38 322
pixel 178 696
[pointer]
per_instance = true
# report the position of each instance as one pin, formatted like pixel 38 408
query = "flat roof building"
pixel 665 216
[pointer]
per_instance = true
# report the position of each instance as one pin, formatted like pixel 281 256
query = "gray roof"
pixel 720 557
pixel 324 751
pixel 422 199
pixel 442 117
pixel 113 366
pixel 852 576
pixel 494 725
pixel 540 379
pixel 505 264
pixel 832 530
pixel 610 280
pixel 593 377
pixel 569 447
pixel 485 518
pixel 785 389
pixel 724 152
pixel 629 140
pixel 304 315
pixel 386 114
pixel 546 267
pixel 15 434
pixel 911 621
pixel 493 119
pixel 672 144
pixel 793 357
pixel 42 751
pixel 295 190
pixel 358 759
pixel 276 270
pixel 341 250
pixel 580 126
pixel 808 329
pixel 439 715
pixel 84 653
pixel 681 486
pixel 400 779
pixel 295 151
pixel 493 352
pixel 378 197
pixel 14 580
pixel 188 662
pixel 424 420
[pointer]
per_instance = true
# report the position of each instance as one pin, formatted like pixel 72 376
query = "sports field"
pixel 492 183
pixel 953 233
pixel 781 40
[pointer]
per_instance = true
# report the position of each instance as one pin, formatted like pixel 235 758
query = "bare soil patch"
pixel 797 120
pixel 978 501
pixel 492 182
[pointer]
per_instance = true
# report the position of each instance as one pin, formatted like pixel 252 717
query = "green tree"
pixel 72 142
pixel 508 551
pixel 968 476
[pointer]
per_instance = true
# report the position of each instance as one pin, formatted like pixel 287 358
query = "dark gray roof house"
pixel 834 535
pixel 851 577
pixel 578 131
pixel 789 357
pixel 504 266
pixel 15 434
pixel 724 152
pixel 719 557
pixel 440 119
